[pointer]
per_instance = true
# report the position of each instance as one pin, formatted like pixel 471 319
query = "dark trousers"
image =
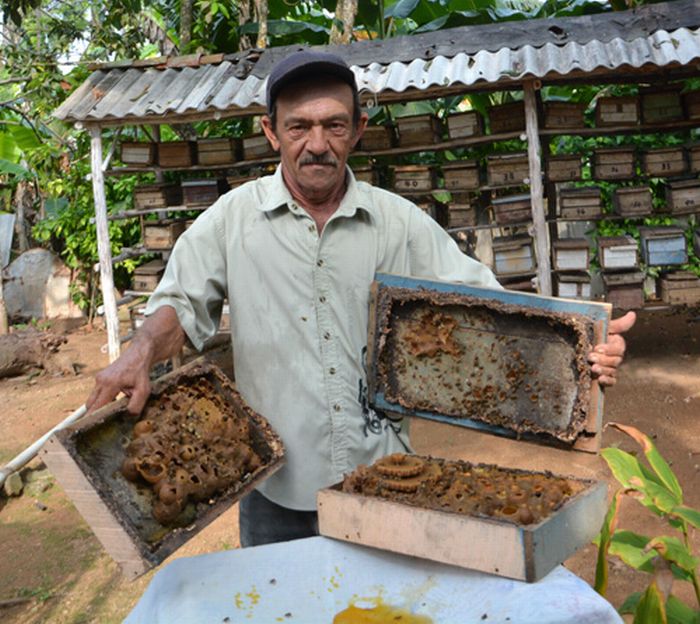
pixel 264 522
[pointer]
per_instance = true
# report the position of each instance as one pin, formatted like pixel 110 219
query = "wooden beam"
pixel 544 276
pixel 103 244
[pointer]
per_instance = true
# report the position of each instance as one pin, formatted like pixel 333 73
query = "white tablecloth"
pixel 309 581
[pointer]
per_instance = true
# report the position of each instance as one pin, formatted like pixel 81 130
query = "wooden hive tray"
pixel 444 510
pixel 88 461
pixel 509 363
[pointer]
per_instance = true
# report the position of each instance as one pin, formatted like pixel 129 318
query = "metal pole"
pixel 103 244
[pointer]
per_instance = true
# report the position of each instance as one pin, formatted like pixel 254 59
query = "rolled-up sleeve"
pixel 194 282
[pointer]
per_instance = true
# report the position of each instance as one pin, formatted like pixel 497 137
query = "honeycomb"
pixel 480 490
pixel 188 446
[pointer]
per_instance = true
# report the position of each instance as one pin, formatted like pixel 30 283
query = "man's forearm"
pixel 161 336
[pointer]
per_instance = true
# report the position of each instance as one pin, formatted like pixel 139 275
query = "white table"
pixel 309 581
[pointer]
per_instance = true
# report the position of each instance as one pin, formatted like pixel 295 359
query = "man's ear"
pixel 360 130
pixel 266 124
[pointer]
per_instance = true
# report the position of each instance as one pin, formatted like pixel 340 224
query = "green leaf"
pixel 680 613
pixel 674 550
pixel 608 528
pixel 401 9
pixel 14 169
pixel 26 138
pixel 629 547
pixel 630 603
pixel 691 516
pixel 650 609
pixel 8 147
pixel 632 474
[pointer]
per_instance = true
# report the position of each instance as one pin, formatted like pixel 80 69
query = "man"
pixel 295 253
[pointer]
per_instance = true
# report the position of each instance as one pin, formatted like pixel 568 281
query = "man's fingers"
pixel 614 346
pixel 139 396
pixel 607 380
pixel 622 324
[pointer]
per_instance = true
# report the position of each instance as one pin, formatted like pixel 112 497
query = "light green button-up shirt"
pixel 299 313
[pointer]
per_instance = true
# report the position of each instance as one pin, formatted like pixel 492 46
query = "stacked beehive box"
pixel 618 257
pixel 571 261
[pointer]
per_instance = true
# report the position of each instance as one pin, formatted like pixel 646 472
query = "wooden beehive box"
pixel 464 125
pixel 564 115
pixel 617 111
pixel 508 169
pixel 661 105
pixel 508 117
pixel 513 255
pixel 696 242
pixel 693 152
pixel 418 130
pixel 663 246
pixel 413 178
pixel 222 151
pixel 664 161
pixel 691 103
pixel 680 288
pixel 137 315
pixel 257 147
pixel 632 201
pixel 202 192
pixel 147 276
pixel 87 461
pixel 563 168
pixel 624 290
pixel 161 235
pixel 571 254
pixel 366 173
pixel 461 175
pixel 237 180
pixel 138 153
pixel 511 209
pixel 157 196
pixel 461 211
pixel 377 138
pixel 573 285
pixel 683 196
pixel 177 154
pixel 618 252
pixel 580 203
pixel 615 163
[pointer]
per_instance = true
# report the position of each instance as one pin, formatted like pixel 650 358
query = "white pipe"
pixel 25 456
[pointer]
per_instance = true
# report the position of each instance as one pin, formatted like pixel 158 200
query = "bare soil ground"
pixel 50 558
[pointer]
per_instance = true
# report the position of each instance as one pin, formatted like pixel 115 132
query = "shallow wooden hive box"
pixel 630 201
pixel 461 211
pixel 423 336
pixel 624 290
pixel 216 151
pixel 663 245
pixel 418 130
pixel 377 138
pixel 466 124
pixel 563 168
pixel 507 117
pixel 664 161
pixel 580 203
pixel 691 103
pixel 256 146
pixel 571 254
pixel 617 111
pixel 93 463
pixel 177 154
pixel 513 255
pixel 161 235
pixel 573 285
pixel 202 192
pixel 462 175
pixel 138 153
pixel 157 196
pixel 511 209
pixel 618 252
pixel 683 196
pixel 366 173
pixel 238 180
pixel 147 276
pixel 661 105
pixel 562 115
pixel 680 288
pixel 615 163
pixel 693 152
pixel 412 178
pixel 508 169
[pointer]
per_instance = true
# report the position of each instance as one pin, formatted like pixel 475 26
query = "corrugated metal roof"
pixel 178 90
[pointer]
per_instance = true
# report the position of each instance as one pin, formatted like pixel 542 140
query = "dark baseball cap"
pixel 302 64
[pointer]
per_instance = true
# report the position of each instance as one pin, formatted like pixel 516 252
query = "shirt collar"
pixel 355 196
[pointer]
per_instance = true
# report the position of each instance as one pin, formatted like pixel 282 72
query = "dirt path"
pixel 50 557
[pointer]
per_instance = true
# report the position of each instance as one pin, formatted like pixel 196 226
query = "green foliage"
pixel 655 486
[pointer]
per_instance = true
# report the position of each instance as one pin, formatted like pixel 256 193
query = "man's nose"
pixel 317 142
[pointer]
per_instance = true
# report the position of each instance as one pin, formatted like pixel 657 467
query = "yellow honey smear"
pixel 380 613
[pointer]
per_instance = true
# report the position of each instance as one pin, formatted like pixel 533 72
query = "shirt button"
pixel 331 370
pixel 336 407
pixel 322 299
pixel 312 228
pixel 319 262
pixel 326 335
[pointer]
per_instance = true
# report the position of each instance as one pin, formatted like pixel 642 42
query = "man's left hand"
pixel 607 357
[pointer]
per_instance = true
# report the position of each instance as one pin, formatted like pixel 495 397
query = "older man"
pixel 295 253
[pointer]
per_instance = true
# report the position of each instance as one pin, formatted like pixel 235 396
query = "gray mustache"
pixel 321 159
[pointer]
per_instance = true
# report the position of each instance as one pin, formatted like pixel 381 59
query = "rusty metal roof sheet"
pixel 197 87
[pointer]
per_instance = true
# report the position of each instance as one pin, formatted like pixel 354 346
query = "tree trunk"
pixel 345 12
pixel 185 25
pixel 244 42
pixel 21 202
pixel 261 16
pixel 3 310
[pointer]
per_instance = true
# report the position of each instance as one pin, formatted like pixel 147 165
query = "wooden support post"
pixel 156 137
pixel 544 276
pixel 103 244
pixel 4 326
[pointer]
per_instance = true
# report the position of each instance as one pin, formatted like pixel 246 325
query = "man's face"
pixel 314 134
